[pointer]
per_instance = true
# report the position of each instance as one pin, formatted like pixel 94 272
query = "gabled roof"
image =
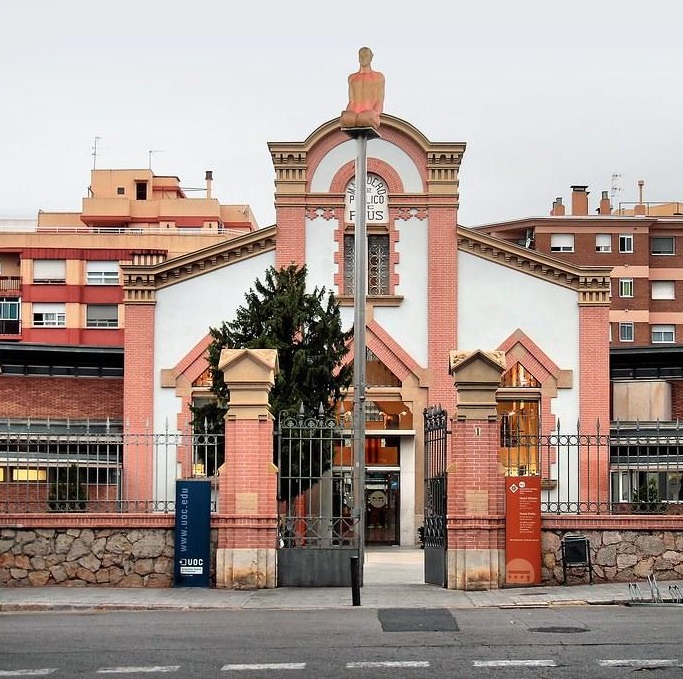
pixel 591 282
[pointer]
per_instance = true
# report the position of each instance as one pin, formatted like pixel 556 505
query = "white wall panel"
pixel 185 312
pixel 377 148
pixel 321 248
pixel 493 301
pixel 407 323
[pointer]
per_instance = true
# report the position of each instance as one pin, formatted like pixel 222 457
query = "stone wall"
pixel 618 556
pixel 85 556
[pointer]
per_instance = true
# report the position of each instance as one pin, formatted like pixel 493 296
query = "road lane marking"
pixel 386 663
pixel 149 669
pixel 28 673
pixel 265 666
pixel 514 663
pixel 645 662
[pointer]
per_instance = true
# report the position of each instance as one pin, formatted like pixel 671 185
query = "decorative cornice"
pixel 405 213
pixel 141 281
pixel 591 283
pixel 326 213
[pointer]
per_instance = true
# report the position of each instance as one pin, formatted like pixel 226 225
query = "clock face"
pixel 377 201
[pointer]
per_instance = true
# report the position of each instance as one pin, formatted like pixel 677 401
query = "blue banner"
pixel 192 533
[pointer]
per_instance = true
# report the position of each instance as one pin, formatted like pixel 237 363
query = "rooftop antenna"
pixel 615 188
pixel 150 153
pixel 94 153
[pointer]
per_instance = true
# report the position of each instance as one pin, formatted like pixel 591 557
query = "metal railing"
pixel 48 466
pixel 635 469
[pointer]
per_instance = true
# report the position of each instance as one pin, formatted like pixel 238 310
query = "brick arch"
pixel 519 348
pixel 346 172
pixel 392 129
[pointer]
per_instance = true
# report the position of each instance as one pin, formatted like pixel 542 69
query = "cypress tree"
pixel 304 327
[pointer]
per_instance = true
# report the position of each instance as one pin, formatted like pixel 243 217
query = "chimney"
pixel 639 209
pixel 209 179
pixel 579 200
pixel 558 208
pixel 605 207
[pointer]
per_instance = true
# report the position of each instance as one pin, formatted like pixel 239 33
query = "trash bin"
pixel 576 553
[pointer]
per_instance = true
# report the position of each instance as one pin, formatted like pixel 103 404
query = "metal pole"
pixel 359 301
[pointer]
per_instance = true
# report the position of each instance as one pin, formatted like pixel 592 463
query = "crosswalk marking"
pixel 28 673
pixel 514 663
pixel 133 670
pixel 386 663
pixel 265 666
pixel 642 663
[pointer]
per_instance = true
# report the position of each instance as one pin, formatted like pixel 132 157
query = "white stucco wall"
pixel 494 301
pixel 377 148
pixel 407 323
pixel 320 251
pixel 185 312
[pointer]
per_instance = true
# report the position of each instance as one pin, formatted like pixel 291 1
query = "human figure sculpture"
pixel 366 94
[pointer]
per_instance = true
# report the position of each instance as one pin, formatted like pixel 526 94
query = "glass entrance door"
pixel 382 507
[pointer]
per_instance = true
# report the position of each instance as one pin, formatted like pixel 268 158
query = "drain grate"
pixel 417 620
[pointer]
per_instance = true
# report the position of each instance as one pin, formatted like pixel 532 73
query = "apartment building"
pixel 61 295
pixel 643 242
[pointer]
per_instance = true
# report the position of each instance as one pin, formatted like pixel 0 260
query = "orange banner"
pixel 522 530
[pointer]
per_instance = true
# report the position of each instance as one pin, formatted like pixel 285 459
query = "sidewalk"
pixel 393 579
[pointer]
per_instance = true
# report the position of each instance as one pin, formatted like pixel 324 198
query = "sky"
pixel 545 93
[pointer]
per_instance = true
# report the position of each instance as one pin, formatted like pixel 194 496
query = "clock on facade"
pixel 377 197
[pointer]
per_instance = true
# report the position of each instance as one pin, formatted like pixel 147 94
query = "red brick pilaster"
pixel 291 236
pixel 247 492
pixel 594 397
pixel 138 402
pixel 476 490
pixel 443 273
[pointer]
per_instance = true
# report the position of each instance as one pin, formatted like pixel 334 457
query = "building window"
pixel 9 316
pixel 49 271
pixel 663 290
pixel 519 426
pixel 625 287
pixel 102 273
pixel 662 245
pixel 378 264
pixel 562 242
pixel 603 242
pixel 120 191
pixel 140 190
pixel 102 316
pixel 626 332
pixel 49 315
pixel 662 334
pixel 626 242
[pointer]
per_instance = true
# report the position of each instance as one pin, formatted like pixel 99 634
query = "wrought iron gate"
pixel 434 536
pixel 317 530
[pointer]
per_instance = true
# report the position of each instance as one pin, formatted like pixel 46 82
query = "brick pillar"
pixel 594 394
pixel 476 489
pixel 138 400
pixel 247 491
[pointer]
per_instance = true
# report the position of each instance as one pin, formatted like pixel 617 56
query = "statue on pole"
pixel 366 94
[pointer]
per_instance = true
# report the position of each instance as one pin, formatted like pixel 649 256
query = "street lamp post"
pixel 361 135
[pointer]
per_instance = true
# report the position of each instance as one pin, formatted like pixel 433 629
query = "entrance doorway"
pixel 382 507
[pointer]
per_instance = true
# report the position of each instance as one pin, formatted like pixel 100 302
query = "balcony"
pixel 10 286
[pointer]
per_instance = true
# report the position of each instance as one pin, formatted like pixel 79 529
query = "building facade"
pixel 432 287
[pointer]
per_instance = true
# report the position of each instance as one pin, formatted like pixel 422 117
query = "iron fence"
pixel 315 492
pixel 636 468
pixel 51 466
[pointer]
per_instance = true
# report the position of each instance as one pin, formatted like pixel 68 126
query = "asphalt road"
pixel 565 641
